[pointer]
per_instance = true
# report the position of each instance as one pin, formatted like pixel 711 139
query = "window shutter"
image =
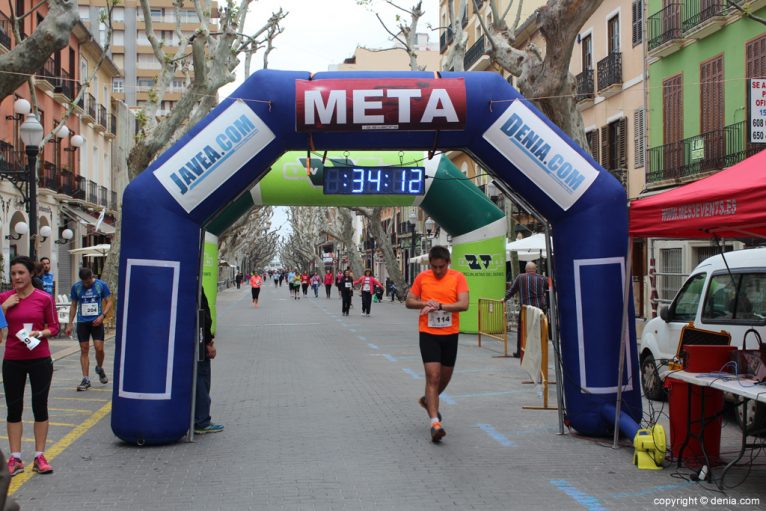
pixel 638 138
pixel 637 21
pixel 594 144
pixel 605 147
pixel 622 135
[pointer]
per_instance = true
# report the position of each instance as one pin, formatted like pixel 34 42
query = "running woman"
pixel 256 281
pixel 368 283
pixel 328 281
pixel 347 291
pixel 440 293
pixel 32 319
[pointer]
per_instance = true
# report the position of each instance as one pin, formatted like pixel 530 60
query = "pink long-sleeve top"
pixel 369 282
pixel 37 308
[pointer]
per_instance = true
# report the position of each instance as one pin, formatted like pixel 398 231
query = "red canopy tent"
pixel 728 204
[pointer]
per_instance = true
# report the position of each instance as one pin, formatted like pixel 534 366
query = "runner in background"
pixel 328 281
pixel 315 281
pixel 368 283
pixel 347 291
pixel 305 281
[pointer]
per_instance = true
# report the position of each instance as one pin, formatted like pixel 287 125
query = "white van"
pixel 719 295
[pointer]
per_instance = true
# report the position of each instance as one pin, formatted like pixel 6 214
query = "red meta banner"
pixel 410 104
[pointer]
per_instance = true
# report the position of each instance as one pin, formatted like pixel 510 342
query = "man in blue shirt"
pixel 91 303
pixel 48 282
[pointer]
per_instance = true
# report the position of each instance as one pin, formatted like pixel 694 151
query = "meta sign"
pixel 405 104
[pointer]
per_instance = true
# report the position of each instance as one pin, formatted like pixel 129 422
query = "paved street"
pixel 321 413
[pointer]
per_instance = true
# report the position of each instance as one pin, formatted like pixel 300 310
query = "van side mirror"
pixel 664 314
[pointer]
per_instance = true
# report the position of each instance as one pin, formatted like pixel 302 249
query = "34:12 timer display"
pixel 374 180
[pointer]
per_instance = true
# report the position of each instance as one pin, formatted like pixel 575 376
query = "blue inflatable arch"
pixel 167 206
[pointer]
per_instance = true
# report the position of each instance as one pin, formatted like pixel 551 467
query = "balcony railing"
pixel 91 106
pixel 714 150
pixel 609 70
pixel 49 73
pixel 68 86
pixel 5 31
pixel 103 120
pixel 79 185
pixel 665 25
pixel 103 196
pixel 10 161
pixel 65 182
pixel 699 11
pixel 585 85
pixel 47 176
pixel 474 53
pixel 92 192
pixel 445 39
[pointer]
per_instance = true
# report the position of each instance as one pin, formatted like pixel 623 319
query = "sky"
pixel 319 33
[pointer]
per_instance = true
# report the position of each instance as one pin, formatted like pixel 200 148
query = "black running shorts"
pixel 438 348
pixel 86 330
pixel 255 291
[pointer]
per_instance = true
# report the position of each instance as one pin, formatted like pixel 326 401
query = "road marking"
pixel 496 435
pixel 75 410
pixel 390 358
pixel 373 346
pixel 415 375
pixel 98 399
pixel 362 338
pixel 62 445
pixel 589 502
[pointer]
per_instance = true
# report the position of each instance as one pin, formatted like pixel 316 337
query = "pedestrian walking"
pixel 255 288
pixel 368 283
pixel 305 281
pixel 202 420
pixel 440 293
pixel 275 276
pixel 296 282
pixel 328 281
pixel 532 290
pixel 347 291
pixel 31 318
pixel 90 303
pixel 238 278
pixel 315 281
pixel 339 283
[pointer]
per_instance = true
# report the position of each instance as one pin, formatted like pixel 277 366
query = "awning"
pixel 527 249
pixel 83 216
pixel 94 251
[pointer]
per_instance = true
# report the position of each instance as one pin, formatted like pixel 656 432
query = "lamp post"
pixel 430 225
pixel 413 219
pixel 31 133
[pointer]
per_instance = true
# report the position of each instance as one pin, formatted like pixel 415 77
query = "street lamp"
pixel 413 220
pixel 21 228
pixel 31 133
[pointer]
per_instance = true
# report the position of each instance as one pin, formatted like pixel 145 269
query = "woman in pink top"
pixel 31 311
pixel 368 283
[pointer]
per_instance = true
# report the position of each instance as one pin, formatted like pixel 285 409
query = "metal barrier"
pixel 492 322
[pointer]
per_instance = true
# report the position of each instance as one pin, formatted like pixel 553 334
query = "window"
pixel 587 52
pixel 638 27
pixel 712 112
pixel 84 12
pixel 639 145
pixel 118 38
pixel 118 14
pixel 613 150
pixel 592 138
pixel 755 53
pixel 118 85
pixel 613 31
pixel 670 262
pixel 684 307
pixel 736 297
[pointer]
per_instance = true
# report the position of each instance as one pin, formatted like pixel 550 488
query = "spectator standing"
pixel 49 283
pixel 202 419
pixel 532 290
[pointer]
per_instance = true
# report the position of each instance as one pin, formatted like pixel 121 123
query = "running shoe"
pixel 41 465
pixel 437 432
pixel 84 385
pixel 422 403
pixel 15 466
pixel 102 375
pixel 210 428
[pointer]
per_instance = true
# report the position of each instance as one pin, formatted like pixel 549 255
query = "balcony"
pixel 102 119
pixel 475 59
pixel 610 74
pixel 445 39
pixel 65 182
pixel 79 107
pixel 79 187
pixel 65 91
pixel 585 92
pixel 704 17
pixel 691 158
pixel 89 115
pixel 665 34
pixel 103 195
pixel 48 76
pixel 113 201
pixel 47 178
pixel 10 159
pixel 5 32
pixel 92 192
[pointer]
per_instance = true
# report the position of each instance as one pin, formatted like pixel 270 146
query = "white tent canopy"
pixel 94 251
pixel 527 249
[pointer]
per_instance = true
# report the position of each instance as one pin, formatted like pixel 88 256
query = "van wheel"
pixel 650 379
pixel 756 418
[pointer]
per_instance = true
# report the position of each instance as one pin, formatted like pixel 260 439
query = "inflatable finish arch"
pixel 166 207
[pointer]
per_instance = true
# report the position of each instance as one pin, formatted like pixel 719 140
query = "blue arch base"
pixel 234 146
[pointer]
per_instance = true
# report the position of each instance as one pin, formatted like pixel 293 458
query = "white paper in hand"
pixel 30 342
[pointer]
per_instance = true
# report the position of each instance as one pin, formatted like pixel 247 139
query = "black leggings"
pixel 40 371
pixel 366 301
pixel 328 287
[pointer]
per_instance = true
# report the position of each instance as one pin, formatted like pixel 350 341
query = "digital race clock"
pixel 374 180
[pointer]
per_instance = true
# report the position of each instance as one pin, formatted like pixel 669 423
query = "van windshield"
pixel 688 298
pixel 738 297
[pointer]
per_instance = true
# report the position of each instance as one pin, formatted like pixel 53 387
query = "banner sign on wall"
pixel 757 110
pixel 405 104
